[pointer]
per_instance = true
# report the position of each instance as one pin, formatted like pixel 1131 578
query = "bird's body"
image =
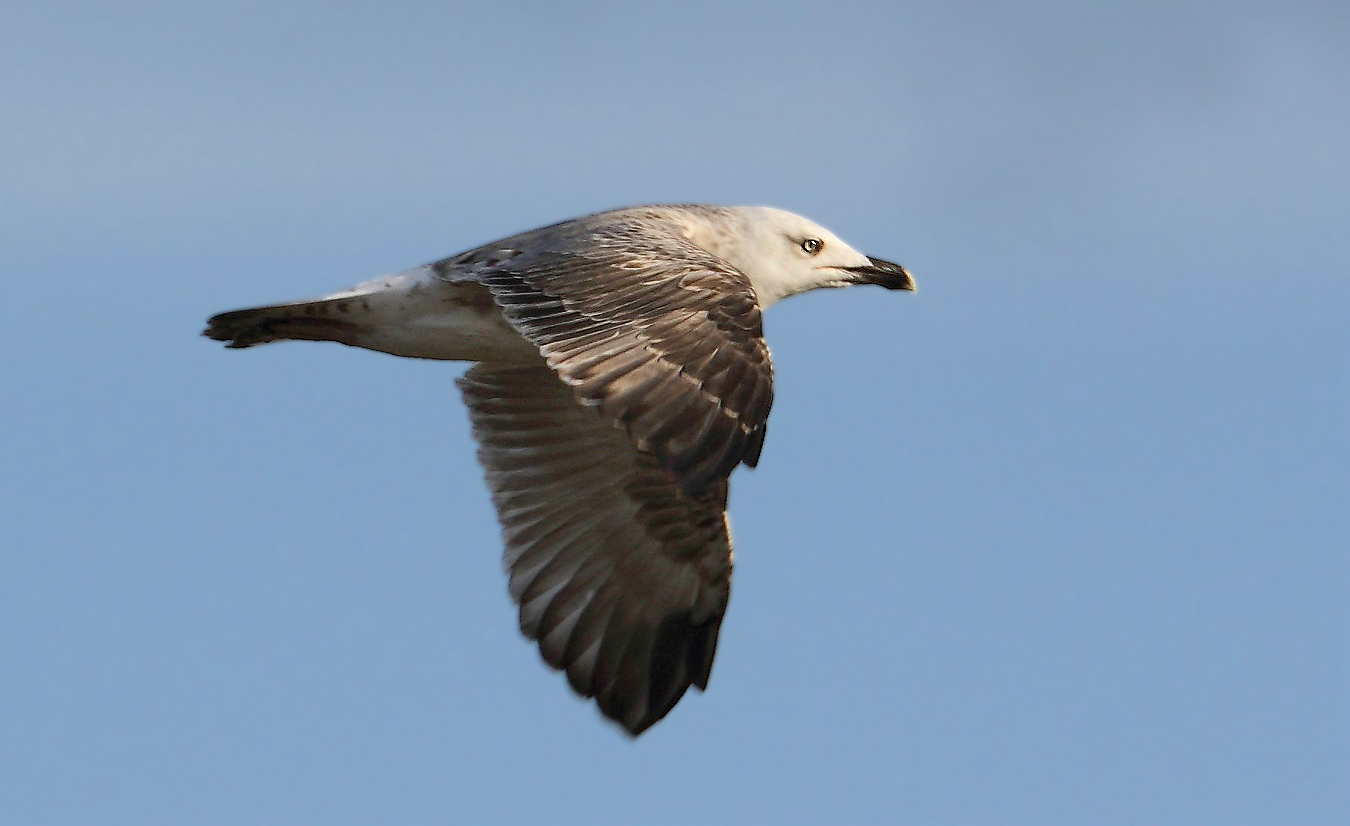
pixel 621 376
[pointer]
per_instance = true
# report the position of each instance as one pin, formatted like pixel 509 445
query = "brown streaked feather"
pixel 662 336
pixel 621 576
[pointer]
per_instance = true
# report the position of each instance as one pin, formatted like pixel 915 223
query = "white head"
pixel 784 254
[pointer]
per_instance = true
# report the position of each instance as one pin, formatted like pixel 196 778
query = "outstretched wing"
pixel 620 575
pixel 660 335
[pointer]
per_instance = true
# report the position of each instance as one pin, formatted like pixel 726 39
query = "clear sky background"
pixel 1061 539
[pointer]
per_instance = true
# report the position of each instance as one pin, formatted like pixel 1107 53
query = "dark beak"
pixel 883 273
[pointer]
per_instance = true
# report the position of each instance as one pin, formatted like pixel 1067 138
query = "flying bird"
pixel 620 376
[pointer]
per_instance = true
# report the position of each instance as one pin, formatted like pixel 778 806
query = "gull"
pixel 620 376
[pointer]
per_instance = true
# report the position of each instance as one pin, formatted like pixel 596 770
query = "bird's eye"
pixel 812 245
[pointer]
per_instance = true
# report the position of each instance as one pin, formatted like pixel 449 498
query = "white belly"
pixel 420 316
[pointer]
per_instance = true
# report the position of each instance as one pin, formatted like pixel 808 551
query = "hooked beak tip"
pixel 886 274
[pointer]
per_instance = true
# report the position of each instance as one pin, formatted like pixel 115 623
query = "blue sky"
pixel 1060 539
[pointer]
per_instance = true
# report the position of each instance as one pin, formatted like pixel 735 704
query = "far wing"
pixel 620 576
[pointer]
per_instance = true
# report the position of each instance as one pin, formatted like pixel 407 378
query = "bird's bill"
pixel 882 273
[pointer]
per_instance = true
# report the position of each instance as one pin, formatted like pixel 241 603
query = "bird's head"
pixel 784 254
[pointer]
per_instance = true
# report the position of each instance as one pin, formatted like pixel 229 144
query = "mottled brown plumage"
pixel 666 342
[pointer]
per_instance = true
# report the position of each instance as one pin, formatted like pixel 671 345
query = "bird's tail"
pixel 320 320
pixel 337 317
